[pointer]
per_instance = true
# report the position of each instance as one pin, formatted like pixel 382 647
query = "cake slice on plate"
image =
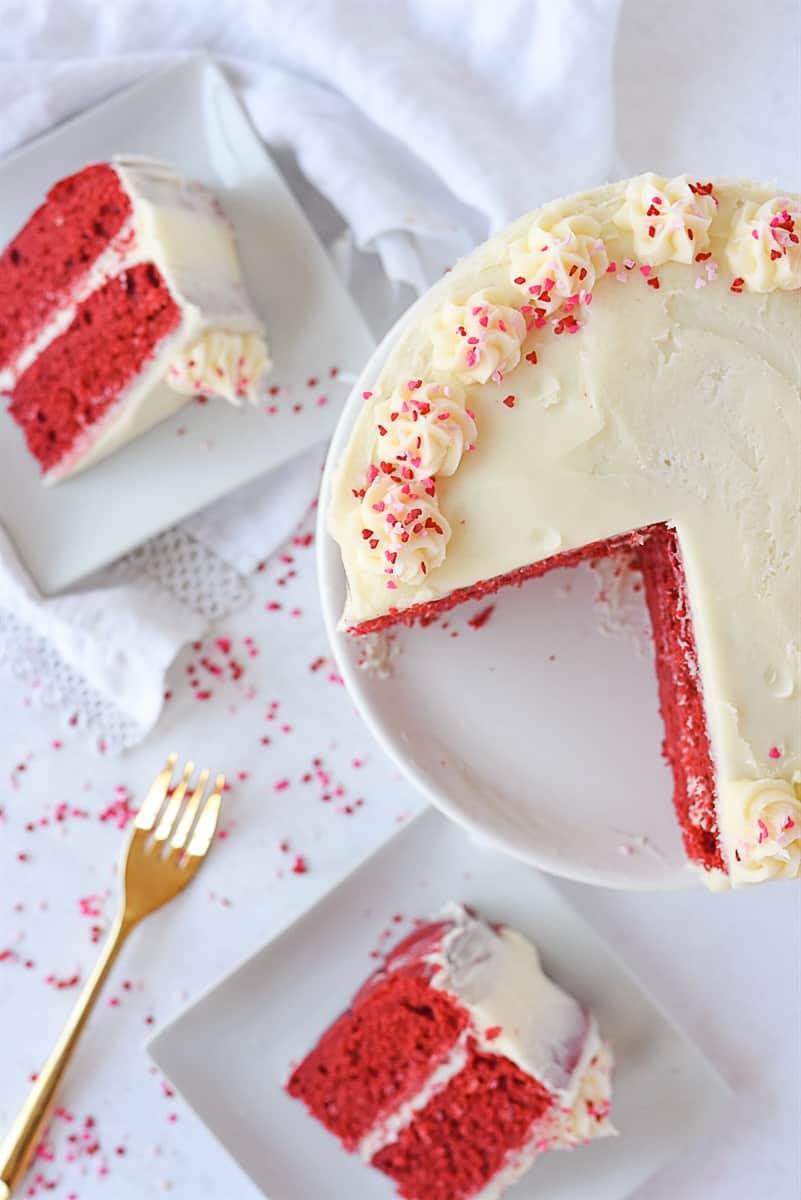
pixel 618 372
pixel 458 1063
pixel 120 299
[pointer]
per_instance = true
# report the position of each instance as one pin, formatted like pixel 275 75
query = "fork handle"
pixel 25 1133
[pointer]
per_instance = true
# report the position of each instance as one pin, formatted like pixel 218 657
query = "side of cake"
pixel 458 1063
pixel 120 299
pixel 617 371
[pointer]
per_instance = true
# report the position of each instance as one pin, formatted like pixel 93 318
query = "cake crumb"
pixel 377 652
pixel 620 597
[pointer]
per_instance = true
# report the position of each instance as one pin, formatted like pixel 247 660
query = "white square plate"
pixel 189 117
pixel 230 1054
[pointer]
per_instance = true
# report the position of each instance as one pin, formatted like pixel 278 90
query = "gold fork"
pixel 170 838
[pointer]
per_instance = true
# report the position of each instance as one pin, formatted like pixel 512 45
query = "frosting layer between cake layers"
pixel 622 358
pixel 215 348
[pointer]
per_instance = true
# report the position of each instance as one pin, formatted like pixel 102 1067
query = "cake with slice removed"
pixel 120 299
pixel 617 373
pixel 459 1063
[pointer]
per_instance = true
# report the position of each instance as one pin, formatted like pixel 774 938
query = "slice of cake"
pixel 121 298
pixel 458 1063
pixel 617 372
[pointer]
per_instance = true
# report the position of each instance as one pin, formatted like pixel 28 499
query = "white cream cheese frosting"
pixel 178 225
pixel 677 401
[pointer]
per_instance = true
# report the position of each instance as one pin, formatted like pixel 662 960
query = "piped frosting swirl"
pixel 556 266
pixel 764 249
pixel 589 1116
pixel 761 820
pixel 478 340
pixel 669 219
pixel 426 428
pixel 221 363
pixel 404 530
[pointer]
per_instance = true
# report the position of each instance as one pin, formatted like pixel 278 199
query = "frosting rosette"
pixel 478 340
pixel 221 363
pixel 669 218
pixel 762 821
pixel 425 427
pixel 589 1116
pixel 556 266
pixel 404 533
pixel 764 249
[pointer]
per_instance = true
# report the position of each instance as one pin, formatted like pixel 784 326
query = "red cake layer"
pixel 464 1135
pixel 47 258
pixel 686 745
pixel 378 1054
pixel 79 376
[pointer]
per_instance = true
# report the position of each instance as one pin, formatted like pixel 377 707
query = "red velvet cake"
pixel 121 297
pixel 458 1064
pixel 616 373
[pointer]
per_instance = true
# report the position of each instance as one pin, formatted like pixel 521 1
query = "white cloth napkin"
pixel 409 130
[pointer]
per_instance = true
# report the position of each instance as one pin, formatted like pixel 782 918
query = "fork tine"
pixel 170 814
pixel 207 821
pixel 151 805
pixel 181 835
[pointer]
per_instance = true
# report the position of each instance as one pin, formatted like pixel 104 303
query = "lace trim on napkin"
pixel 193 573
pixel 33 660
pixel 196 577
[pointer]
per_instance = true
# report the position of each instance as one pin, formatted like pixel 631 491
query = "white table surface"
pixel 725 966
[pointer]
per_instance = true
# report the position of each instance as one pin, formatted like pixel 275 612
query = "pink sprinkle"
pixel 774 752
pixel 366 395
pixel 645 270
pixel 764 833
pixel 281 786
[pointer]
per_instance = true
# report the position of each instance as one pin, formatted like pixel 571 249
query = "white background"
pixel 726 967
